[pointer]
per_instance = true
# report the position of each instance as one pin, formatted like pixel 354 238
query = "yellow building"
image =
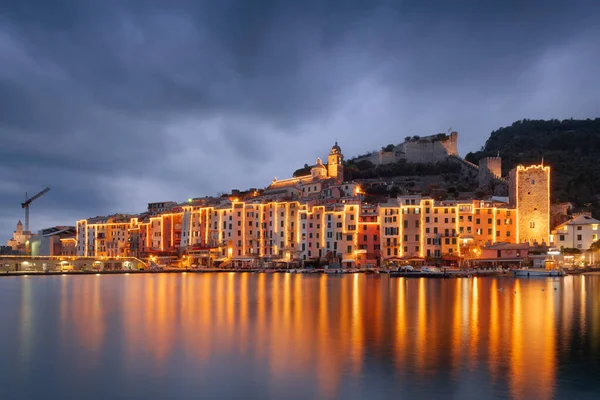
pixel 529 192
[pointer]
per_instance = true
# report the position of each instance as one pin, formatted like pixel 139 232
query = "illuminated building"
pixel 20 238
pixel 529 192
pixel 578 233
pixel 317 218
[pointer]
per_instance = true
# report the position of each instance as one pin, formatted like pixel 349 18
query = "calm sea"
pixel 284 336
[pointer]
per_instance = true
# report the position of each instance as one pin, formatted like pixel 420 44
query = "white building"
pixel 578 233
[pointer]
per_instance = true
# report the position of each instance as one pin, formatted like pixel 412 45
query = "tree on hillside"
pixel 569 147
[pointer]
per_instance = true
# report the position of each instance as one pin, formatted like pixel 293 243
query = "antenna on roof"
pixel 542 161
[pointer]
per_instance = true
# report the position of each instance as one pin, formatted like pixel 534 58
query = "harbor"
pixel 49 266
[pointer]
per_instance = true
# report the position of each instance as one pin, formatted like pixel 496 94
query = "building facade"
pixel 348 232
pixel 20 240
pixel 529 193
pixel 578 233
pixel 318 218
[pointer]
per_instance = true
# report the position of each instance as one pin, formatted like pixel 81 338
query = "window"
pixel 561 238
pixel 578 237
pixel 532 224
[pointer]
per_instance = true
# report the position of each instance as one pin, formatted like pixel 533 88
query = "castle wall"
pixel 530 193
pixel 489 169
pixel 429 149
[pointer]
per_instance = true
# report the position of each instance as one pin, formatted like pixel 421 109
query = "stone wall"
pixel 489 169
pixel 428 149
pixel 529 191
pixel 379 157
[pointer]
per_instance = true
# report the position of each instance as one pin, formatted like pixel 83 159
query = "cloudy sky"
pixel 117 103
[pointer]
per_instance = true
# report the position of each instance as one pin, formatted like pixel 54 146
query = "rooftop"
pixel 580 220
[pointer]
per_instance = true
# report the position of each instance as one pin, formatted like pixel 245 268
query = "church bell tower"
pixel 335 164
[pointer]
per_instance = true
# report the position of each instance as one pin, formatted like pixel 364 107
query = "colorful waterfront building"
pixel 319 219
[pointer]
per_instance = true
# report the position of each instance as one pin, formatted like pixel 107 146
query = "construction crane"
pixel 28 201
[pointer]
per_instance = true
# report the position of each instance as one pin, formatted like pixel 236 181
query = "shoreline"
pixel 393 274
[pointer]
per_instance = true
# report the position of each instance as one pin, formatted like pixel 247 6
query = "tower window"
pixel 532 224
pixel 533 181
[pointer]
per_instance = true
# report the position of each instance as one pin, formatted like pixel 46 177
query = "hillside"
pixel 570 147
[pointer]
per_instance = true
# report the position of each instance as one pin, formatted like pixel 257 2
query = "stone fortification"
pixel 427 149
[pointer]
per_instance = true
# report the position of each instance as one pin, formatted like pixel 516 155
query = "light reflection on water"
pixel 294 336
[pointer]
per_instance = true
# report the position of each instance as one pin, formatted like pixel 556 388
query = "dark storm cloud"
pixel 117 103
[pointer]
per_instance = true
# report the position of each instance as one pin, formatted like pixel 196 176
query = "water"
pixel 275 336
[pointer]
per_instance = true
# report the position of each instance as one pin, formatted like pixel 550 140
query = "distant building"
pixel 529 192
pixel 490 168
pixel 55 241
pixel 426 149
pixel 160 207
pixel 320 177
pixel 8 251
pixel 20 240
pixel 577 233
pixel 560 212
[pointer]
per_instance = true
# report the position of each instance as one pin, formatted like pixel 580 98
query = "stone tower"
pixel 489 168
pixel 335 164
pixel 529 192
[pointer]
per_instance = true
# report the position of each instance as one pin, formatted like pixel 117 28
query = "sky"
pixel 117 103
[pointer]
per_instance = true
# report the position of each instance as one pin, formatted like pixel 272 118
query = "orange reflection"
pixel 421 338
pixel 457 324
pixel 400 323
pixel 327 329
pixel 494 330
pixel 474 323
pixel 532 346
pixel 357 325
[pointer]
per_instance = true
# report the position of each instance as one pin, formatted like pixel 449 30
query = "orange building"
pixel 278 226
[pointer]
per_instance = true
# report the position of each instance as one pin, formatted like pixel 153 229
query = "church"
pixel 320 176
pixel 20 239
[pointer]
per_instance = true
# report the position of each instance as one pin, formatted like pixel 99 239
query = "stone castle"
pixel 426 149
pixel 439 148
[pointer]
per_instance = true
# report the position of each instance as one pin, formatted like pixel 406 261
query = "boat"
pixel 430 270
pixel 534 272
